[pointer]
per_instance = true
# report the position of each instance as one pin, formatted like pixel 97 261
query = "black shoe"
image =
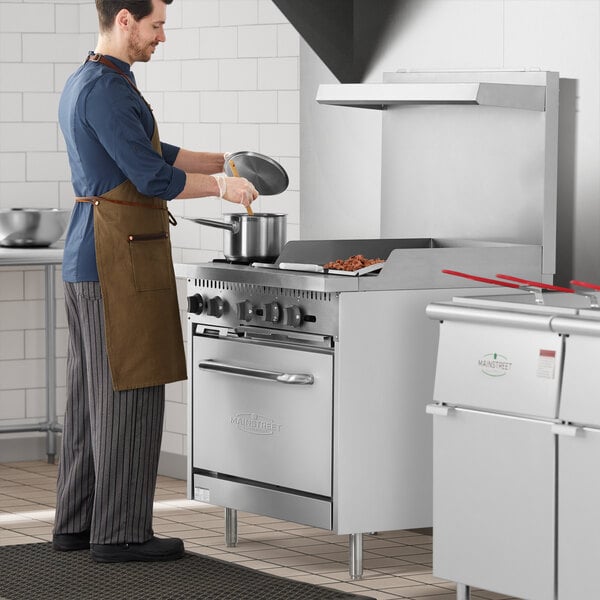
pixel 155 549
pixel 65 542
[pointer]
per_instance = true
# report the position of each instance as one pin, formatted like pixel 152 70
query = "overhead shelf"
pixel 382 95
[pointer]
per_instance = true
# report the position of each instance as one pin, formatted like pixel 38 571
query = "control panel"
pixel 246 304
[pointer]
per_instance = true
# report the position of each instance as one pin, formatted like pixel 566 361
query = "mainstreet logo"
pixel 256 424
pixel 494 364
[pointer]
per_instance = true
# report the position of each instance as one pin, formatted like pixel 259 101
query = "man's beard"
pixel 137 50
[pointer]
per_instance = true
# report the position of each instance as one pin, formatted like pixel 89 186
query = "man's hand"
pixel 239 191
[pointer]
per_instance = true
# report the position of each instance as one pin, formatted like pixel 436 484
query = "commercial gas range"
pixel 308 390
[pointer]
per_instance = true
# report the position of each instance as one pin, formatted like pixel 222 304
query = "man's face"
pixel 147 33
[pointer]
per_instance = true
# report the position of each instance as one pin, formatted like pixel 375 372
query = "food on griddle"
pixel 353 263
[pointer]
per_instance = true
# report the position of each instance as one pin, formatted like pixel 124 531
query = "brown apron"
pixel 144 337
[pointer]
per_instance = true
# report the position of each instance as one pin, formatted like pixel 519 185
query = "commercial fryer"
pixel 495 420
pixel 578 435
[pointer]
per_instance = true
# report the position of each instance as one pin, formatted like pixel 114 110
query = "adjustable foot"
pixel 231 527
pixel 356 555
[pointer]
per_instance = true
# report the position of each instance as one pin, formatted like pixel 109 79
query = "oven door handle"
pixel 292 378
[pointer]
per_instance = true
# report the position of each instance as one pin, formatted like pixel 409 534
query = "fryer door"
pixel 493 503
pixel 260 430
pixel 578 514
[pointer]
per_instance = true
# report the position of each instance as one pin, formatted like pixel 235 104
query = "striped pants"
pixel 111 440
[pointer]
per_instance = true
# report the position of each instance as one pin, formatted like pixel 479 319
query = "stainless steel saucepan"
pixel 254 236
pixel 257 237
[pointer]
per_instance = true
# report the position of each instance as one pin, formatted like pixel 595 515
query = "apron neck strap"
pixel 100 58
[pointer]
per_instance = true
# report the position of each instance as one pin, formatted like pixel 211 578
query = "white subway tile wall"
pixel 227 79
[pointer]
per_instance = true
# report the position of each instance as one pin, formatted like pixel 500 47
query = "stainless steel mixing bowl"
pixel 32 227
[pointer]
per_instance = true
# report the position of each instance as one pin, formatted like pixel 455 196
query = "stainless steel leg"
pixel 463 592
pixel 50 363
pixel 231 527
pixel 356 555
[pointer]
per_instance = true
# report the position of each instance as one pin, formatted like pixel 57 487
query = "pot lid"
pixel 267 175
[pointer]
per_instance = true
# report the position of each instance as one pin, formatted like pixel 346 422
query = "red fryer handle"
pixel 481 279
pixel 585 284
pixel 538 284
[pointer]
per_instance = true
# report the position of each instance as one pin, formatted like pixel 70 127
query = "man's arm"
pixel 199 162
pixel 199 166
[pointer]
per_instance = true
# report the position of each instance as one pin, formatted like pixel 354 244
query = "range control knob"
pixel 215 307
pixel 293 316
pixel 271 312
pixel 245 310
pixel 195 304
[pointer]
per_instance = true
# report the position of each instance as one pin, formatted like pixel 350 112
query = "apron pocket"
pixel 151 261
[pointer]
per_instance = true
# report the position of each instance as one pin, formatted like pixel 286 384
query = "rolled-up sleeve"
pixel 169 152
pixel 117 116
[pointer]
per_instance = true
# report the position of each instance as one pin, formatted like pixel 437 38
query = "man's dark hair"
pixel 108 9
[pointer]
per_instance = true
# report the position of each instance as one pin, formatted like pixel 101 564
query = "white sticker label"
pixel 546 364
pixel 202 494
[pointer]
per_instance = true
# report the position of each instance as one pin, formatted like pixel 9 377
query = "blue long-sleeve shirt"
pixel 108 133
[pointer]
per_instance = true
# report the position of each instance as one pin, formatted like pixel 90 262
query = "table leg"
pixel 51 363
pixel 231 535
pixel 356 555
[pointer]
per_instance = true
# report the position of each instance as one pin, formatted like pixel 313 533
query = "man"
pixel 125 339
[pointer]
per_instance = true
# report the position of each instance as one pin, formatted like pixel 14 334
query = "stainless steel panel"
pixel 582 325
pixel 505 369
pixel 262 501
pixel 578 514
pixel 381 95
pixel 454 311
pixel 384 374
pixel 581 381
pixel 383 379
pixel 482 172
pixel 517 77
pixel 419 268
pixel 592 313
pixel 494 503
pixel 263 430
pixel 554 303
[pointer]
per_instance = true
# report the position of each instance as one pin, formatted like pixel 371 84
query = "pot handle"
pixel 233 227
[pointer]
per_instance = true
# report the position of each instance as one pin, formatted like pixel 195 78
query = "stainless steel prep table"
pixel 48 258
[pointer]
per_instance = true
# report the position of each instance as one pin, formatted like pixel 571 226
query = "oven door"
pixel 263 413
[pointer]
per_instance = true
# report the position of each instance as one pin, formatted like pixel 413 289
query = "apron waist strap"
pixel 95 200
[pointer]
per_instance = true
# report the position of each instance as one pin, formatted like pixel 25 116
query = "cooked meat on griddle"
pixel 353 263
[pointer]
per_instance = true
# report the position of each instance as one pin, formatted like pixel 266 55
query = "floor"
pixel 396 564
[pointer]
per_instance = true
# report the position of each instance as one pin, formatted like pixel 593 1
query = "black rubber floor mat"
pixel 36 571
